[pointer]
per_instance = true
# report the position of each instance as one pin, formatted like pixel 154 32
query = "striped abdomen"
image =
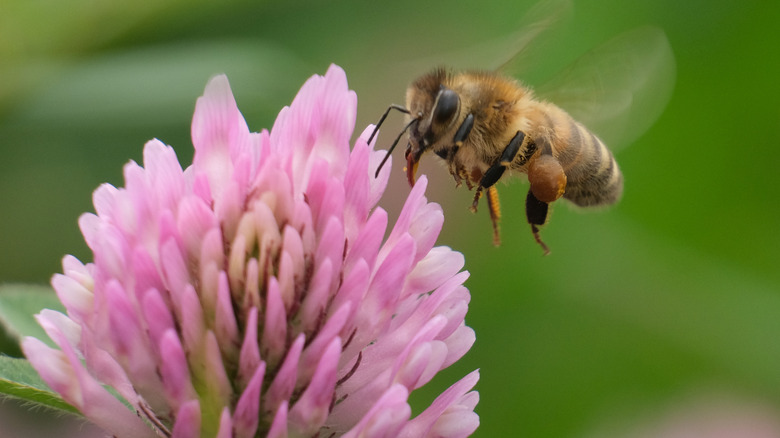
pixel 593 177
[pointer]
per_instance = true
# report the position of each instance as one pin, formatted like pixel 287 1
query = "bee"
pixel 486 125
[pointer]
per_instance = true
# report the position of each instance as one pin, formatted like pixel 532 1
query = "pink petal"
pixel 76 298
pixel 126 333
pixel 331 246
pixel 458 344
pixel 379 183
pixel 286 278
pixel 379 303
pixel 174 370
pixel 325 196
pixel 212 260
pixel 302 221
pixel 187 421
pixel 278 427
pixel 284 383
pixel 439 265
pixel 351 292
pixel 215 376
pixel 293 246
pixel 63 372
pixel 73 268
pixel 425 228
pixel 58 324
pixel 54 369
pixel 317 299
pixel 157 315
pixel 165 172
pixel 312 408
pixel 325 336
pixel 190 317
pixel 175 273
pixel 249 358
pixel 247 413
pixel 272 343
pixel 414 202
pixel 108 244
pixel 446 300
pixel 422 363
pixel 225 424
pixel 356 205
pixel 194 220
pixel 454 400
pixel 145 272
pixel 325 108
pixel 109 372
pixel 366 244
pixel 229 207
pixel 251 296
pixel 225 324
pixel 217 129
pixel 386 417
pixel 104 199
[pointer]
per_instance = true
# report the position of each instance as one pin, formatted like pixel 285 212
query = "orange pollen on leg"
pixel 547 178
pixel 495 213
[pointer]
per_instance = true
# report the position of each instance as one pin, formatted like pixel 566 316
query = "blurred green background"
pixel 668 297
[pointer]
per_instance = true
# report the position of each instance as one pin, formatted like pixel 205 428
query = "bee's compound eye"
pixel 446 107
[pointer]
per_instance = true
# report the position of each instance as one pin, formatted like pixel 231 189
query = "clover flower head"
pixel 254 293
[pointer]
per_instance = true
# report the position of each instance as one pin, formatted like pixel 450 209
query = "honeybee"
pixel 487 124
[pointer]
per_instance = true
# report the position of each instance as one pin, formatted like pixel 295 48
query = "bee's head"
pixel 434 109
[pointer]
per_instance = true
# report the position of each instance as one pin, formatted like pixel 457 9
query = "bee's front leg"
pixel 449 154
pixel 463 132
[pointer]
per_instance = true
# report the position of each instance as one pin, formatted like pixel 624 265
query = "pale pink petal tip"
pixel 261 290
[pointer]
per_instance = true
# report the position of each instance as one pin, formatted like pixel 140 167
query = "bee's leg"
pixel 494 207
pixel 496 171
pixel 536 212
pixel 475 203
pixel 491 176
pixel 454 166
pixel 462 132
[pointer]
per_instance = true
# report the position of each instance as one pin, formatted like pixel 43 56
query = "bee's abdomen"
pixel 593 176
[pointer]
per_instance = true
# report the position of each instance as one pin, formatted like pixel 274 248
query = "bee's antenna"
pixel 390 151
pixel 376 129
pixel 384 116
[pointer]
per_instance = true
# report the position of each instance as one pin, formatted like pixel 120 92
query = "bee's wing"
pixel 525 44
pixel 521 45
pixel 618 89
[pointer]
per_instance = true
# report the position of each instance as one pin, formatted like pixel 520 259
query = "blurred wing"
pixel 541 17
pixel 513 52
pixel 618 89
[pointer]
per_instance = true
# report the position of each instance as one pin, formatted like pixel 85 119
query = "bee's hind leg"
pixel 536 212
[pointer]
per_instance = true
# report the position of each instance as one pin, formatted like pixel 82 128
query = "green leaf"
pixel 18 305
pixel 19 379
